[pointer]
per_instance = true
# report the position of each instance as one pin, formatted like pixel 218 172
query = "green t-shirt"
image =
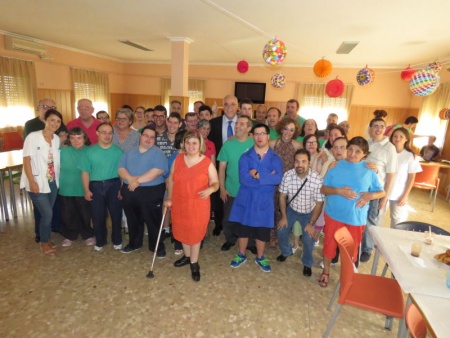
pixel 273 134
pixel 231 152
pixel 299 119
pixel 70 175
pixel 101 164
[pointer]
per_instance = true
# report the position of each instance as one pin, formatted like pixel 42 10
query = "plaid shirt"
pixel 306 199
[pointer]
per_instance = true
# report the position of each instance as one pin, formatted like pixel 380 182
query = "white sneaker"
pixel 118 247
pixel 98 248
pixel 316 243
pixel 321 264
pixel 90 241
pixel 67 242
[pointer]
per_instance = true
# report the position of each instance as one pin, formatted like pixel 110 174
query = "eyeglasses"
pixel 260 134
pixel 378 127
pixel 106 132
pixel 48 107
pixel 311 143
pixel 159 116
pixel 121 119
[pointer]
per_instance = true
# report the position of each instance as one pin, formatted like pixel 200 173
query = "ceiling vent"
pixel 26 46
pixel 136 45
pixel 346 47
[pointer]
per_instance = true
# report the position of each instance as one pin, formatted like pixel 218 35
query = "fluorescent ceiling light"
pixel 135 45
pixel 346 47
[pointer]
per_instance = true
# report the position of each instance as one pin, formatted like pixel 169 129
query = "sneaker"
pixel 90 241
pixel 161 254
pixel 263 263
pixel 98 248
pixel 118 247
pixel 294 249
pixel 179 252
pixel 365 257
pixel 332 263
pixel 238 260
pixel 66 242
pixel 128 249
pixel 316 243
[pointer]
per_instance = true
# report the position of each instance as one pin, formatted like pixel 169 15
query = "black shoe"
pixel 253 250
pixel 182 261
pixel 307 271
pixel 226 246
pixel 37 239
pixel 365 257
pixel 281 258
pixel 217 230
pixel 128 249
pixel 195 271
pixel 161 254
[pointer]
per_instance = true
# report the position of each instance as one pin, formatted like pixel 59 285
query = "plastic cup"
pixel 429 237
pixel 416 248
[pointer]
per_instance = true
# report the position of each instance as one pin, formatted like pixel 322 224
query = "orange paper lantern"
pixel 444 114
pixel 322 68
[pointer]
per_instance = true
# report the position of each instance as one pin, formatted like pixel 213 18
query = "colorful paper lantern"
pixel 334 88
pixel 436 66
pixel 274 52
pixel 322 68
pixel 365 77
pixel 242 66
pixel 444 114
pixel 424 82
pixel 278 80
pixel 407 73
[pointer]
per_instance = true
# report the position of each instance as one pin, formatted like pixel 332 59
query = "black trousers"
pixel 144 205
pixel 75 217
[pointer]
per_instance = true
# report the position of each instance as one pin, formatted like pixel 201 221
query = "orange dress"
pixel 190 213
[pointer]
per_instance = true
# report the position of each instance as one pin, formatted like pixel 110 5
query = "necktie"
pixel 229 129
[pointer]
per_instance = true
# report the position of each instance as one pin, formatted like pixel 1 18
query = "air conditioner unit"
pixel 26 46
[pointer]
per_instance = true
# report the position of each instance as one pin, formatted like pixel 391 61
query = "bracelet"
pixel 312 223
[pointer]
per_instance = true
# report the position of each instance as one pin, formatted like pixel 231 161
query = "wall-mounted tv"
pixel 254 91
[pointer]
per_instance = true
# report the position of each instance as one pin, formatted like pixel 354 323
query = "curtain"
pixel 316 104
pixel 429 121
pixel 196 91
pixel 17 91
pixel 91 85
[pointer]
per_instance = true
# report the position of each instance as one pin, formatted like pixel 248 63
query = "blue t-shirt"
pixel 358 177
pixel 137 163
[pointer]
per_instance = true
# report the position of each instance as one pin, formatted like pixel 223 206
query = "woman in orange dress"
pixel 193 178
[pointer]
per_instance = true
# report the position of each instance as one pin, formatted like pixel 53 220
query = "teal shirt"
pixel 70 175
pixel 101 164
pixel 273 134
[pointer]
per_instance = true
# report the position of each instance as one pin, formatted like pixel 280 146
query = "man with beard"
pixel 301 186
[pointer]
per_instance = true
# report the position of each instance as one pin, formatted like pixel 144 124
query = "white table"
pixel 435 312
pixel 422 276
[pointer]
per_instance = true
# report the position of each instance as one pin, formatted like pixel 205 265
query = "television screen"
pixel 254 91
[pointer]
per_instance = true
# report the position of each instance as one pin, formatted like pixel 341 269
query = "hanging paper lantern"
pixel 278 80
pixel 242 66
pixel 334 88
pixel 407 73
pixel 436 66
pixel 424 82
pixel 444 114
pixel 274 52
pixel 322 68
pixel 365 77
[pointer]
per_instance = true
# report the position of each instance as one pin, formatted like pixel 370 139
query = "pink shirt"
pixel 90 132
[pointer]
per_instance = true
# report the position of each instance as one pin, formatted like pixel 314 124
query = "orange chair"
pixel 12 140
pixel 367 292
pixel 415 322
pixel 428 179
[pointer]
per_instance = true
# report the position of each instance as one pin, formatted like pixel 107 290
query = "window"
pixel 17 89
pixel 196 91
pixel 91 85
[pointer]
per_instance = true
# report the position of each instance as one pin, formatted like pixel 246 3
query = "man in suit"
pixel 222 128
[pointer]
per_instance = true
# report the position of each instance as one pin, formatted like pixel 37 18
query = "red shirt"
pixel 90 132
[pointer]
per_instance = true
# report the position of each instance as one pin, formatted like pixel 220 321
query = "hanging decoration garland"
pixel 334 88
pixel 424 82
pixel 278 80
pixel 274 52
pixel 365 77
pixel 242 66
pixel 322 68
pixel 407 73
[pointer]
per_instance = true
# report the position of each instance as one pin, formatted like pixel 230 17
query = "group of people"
pixel 261 178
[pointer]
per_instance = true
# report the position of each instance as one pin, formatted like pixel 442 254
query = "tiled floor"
pixel 82 293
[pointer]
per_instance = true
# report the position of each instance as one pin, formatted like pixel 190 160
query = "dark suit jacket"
pixel 216 133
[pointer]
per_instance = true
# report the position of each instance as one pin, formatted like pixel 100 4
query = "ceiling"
pixel 391 33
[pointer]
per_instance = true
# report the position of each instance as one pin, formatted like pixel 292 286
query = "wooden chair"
pixel 428 179
pixel 385 294
pixel 414 321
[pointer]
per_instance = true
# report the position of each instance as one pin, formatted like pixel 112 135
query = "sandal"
pixel 47 249
pixel 323 280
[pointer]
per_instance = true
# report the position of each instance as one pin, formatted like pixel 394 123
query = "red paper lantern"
pixel 334 88
pixel 407 74
pixel 242 66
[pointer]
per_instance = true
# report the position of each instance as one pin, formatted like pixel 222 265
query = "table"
pixel 435 312
pixel 424 275
pixel 8 161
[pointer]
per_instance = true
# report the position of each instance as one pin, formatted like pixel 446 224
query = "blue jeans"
pixel 372 220
pixel 105 195
pixel 44 202
pixel 308 242
pixel 56 219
